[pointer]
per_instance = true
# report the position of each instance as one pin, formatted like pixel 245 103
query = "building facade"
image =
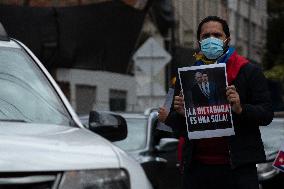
pixel 248 25
pixel 189 13
pixel 89 46
pixel 246 19
pixel 247 22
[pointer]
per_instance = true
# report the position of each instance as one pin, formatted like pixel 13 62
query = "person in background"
pixel 163 114
pixel 162 130
pixel 225 162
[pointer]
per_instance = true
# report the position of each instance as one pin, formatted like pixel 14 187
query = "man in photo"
pixel 209 89
pixel 199 97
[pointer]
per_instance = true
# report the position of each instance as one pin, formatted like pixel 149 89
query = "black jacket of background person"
pixel 246 145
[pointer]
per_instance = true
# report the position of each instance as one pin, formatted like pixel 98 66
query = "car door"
pixel 165 148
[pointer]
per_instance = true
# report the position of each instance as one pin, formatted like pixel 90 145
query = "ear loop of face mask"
pixel 225 46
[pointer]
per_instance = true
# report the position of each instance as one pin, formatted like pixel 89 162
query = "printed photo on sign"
pixel 208 113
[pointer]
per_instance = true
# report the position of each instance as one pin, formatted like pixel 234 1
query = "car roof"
pixel 123 114
pixel 133 115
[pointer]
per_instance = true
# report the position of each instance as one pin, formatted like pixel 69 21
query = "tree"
pixel 274 57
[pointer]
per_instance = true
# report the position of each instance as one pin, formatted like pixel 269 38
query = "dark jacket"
pixel 198 98
pixel 246 145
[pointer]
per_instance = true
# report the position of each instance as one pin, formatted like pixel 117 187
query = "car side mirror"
pixel 109 125
pixel 167 145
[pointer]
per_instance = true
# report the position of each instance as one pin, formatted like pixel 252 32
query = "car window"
pixel 137 135
pixel 26 95
pixel 273 137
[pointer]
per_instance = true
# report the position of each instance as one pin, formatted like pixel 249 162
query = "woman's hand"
pixel 234 99
pixel 163 114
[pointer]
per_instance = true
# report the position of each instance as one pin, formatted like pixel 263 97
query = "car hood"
pixel 43 147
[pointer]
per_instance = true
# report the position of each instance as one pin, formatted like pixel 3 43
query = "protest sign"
pixel 167 105
pixel 207 111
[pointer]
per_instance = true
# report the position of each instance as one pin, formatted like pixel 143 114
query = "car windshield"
pixel 137 135
pixel 273 137
pixel 26 94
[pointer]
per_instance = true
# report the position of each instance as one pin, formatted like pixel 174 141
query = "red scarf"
pixel 233 66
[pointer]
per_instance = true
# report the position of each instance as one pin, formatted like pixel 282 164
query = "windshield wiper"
pixel 13 120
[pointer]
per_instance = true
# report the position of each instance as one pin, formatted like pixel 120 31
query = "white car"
pixel 273 137
pixel 43 144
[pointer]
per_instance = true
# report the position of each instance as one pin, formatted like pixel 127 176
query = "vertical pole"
pixel 198 13
pixel 237 24
pixel 170 47
pixel 167 43
pixel 151 75
pixel 249 29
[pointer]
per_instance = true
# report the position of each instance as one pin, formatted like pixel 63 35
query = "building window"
pixel 253 33
pixel 253 3
pixel 246 29
pixel 85 98
pixel 117 100
pixel 240 26
pixel 224 3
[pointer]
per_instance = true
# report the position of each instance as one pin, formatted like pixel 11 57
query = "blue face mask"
pixel 212 47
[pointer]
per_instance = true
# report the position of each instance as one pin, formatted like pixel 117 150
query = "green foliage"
pixel 275 6
pixel 276 73
pixel 275 35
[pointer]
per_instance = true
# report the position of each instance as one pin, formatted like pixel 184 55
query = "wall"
pixel 103 82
